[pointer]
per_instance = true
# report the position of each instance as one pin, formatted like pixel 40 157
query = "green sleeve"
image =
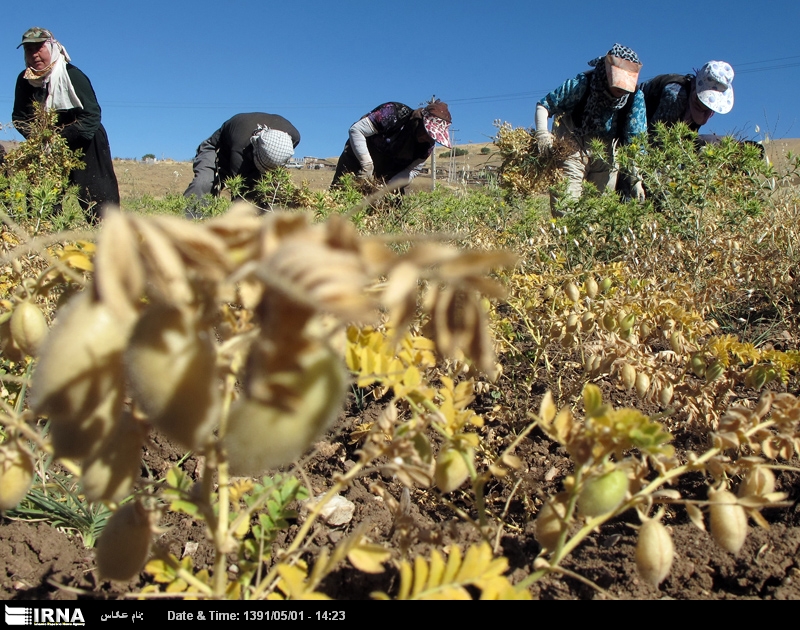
pixel 87 119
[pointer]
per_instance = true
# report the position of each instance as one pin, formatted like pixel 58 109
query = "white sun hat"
pixel 714 86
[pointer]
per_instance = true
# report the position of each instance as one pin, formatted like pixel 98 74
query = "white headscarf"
pixel 61 93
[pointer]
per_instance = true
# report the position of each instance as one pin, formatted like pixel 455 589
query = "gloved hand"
pixel 367 170
pixel 544 140
pixel 638 191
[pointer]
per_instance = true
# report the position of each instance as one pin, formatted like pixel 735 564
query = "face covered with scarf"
pixel 613 79
pixel 46 66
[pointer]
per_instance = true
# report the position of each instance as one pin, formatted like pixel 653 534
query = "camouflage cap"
pixel 35 35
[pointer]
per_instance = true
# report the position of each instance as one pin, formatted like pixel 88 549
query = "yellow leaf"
pixel 78 260
pixel 592 398
pixel 423 343
pixel 369 558
pixel 405 580
pixel 239 488
pixel 451 593
pixel 453 564
pixel 294 580
pixel 420 574
pixel 563 424
pixel 412 377
pixel 242 529
pixel 547 411
pixel 436 569
pixel 177 586
pixel 234 591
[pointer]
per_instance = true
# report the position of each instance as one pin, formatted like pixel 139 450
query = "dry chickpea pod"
pixel 655 552
pixel 16 475
pixel 109 475
pixel 262 435
pixel 758 482
pixel 124 544
pixel 728 520
pixel 628 374
pixel 171 367
pixel 549 522
pixel 28 327
pixel 451 469
pixel 80 362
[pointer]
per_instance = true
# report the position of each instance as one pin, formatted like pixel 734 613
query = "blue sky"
pixel 167 73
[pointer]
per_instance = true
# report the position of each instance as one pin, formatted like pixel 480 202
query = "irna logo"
pixel 17 616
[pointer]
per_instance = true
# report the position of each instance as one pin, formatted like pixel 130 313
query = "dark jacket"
pixel 80 125
pixel 665 106
pixel 83 130
pixel 232 143
pixel 393 148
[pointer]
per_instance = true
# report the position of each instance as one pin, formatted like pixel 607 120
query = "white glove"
pixel 367 169
pixel 544 139
pixel 638 191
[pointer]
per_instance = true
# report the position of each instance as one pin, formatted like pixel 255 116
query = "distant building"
pixel 319 163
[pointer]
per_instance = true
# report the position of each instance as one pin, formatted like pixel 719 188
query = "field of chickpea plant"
pixel 446 394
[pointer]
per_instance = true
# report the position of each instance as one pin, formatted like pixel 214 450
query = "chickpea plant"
pixel 222 335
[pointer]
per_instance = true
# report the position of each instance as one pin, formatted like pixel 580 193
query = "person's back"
pixel 234 150
pixel 689 98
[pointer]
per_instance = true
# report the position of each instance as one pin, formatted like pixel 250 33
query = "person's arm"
pixel 22 112
pixel 359 132
pixel 562 100
pixel 636 125
pixel 566 97
pixel 407 174
pixel 544 139
pixel 87 119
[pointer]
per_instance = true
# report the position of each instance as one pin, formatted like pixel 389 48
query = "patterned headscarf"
pixel 601 106
pixel 61 93
pixel 271 148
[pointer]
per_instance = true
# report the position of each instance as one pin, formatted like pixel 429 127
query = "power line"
pixel 493 98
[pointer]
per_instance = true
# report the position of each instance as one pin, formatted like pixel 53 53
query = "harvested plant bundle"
pixel 525 171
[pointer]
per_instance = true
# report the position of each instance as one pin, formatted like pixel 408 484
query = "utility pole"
pixel 433 153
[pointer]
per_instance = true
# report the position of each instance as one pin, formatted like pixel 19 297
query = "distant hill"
pixel 137 178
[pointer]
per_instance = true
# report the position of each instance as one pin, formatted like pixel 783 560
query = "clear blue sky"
pixel 167 73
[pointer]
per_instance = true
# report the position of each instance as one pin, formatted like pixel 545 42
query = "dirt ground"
pixel 40 562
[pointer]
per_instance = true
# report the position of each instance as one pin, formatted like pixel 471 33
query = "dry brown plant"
pixel 218 334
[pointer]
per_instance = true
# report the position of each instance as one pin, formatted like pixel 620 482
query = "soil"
pixel 41 562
